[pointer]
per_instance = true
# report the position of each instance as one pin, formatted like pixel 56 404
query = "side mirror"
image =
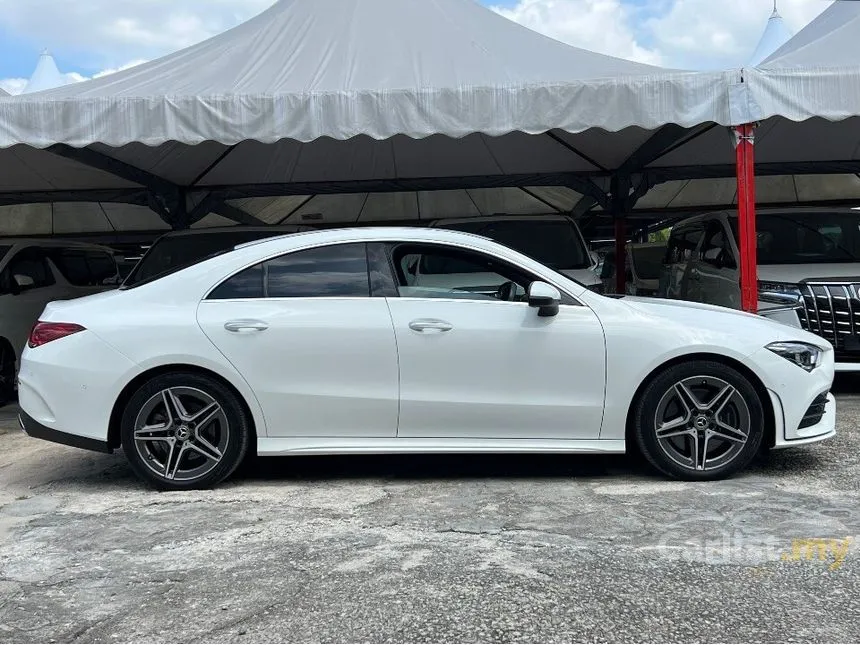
pixel 23 281
pixel 545 298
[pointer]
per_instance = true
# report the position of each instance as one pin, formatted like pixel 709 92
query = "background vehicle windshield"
pixel 806 238
pixel 4 250
pixel 648 261
pixel 555 244
pixel 173 253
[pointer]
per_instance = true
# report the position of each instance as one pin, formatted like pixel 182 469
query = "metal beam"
pixel 668 138
pixel 99 161
pixel 237 215
pixel 136 196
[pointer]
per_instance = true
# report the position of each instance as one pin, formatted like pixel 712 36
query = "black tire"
pixel 7 372
pixel 718 432
pixel 226 435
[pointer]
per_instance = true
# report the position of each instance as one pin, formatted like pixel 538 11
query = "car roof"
pixel 234 229
pixel 770 211
pixel 51 243
pixel 498 218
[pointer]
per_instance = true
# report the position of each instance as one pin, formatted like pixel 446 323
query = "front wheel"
pixel 184 431
pixel 699 421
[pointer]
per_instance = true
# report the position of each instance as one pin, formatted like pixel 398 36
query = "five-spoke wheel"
pixel 183 431
pixel 699 420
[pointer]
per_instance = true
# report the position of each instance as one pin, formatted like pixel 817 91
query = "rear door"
pixel 305 334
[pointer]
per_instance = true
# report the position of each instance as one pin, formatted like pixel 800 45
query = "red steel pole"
pixel 745 138
pixel 620 255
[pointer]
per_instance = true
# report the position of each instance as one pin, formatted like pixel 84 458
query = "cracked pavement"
pixel 432 548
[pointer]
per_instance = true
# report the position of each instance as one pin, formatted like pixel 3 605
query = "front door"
pixel 304 333
pixel 474 365
pixel 716 269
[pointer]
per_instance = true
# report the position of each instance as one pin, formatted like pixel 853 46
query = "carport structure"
pixel 392 110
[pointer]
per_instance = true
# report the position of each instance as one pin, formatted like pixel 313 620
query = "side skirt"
pixel 276 446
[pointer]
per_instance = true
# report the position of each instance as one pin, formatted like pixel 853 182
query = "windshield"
pixel 172 253
pixel 806 238
pixel 555 244
pixel 648 261
pixel 4 250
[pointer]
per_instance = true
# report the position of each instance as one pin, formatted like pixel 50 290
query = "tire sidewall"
pixel 237 445
pixel 646 410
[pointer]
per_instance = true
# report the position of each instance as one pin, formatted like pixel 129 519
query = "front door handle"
pixel 237 326
pixel 426 325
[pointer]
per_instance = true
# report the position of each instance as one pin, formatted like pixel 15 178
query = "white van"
pixel 553 240
pixel 808 270
pixel 34 273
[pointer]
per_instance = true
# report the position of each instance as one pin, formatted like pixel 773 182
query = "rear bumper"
pixel 36 430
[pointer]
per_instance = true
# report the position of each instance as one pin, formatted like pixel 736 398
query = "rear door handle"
pixel 426 325
pixel 237 326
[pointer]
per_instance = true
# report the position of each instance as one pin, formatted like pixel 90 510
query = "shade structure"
pixel 776 34
pixel 3 92
pixel 46 76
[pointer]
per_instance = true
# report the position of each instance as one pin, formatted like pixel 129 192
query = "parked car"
pixel 33 272
pixel 316 343
pixel 643 267
pixel 808 270
pixel 553 240
pixel 178 249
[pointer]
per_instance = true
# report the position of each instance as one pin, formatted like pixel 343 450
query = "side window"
pixel 337 271
pixel 28 270
pixel 682 243
pixel 716 249
pixel 83 267
pixel 457 274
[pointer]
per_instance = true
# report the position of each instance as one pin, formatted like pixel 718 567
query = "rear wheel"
pixel 184 431
pixel 699 421
pixel 7 372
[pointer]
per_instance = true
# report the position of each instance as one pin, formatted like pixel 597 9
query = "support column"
pixel 620 255
pixel 745 153
pixel 620 197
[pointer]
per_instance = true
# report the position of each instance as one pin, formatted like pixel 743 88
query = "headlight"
pixel 779 293
pixel 803 355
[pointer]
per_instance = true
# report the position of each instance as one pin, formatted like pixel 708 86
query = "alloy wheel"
pixel 702 423
pixel 181 433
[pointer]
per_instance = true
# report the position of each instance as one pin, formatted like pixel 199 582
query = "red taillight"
pixel 45 332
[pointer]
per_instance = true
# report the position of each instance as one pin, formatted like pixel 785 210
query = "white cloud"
pixel 604 26
pixel 16 85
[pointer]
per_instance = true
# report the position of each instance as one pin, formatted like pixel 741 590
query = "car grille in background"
pixel 832 311
pixel 815 412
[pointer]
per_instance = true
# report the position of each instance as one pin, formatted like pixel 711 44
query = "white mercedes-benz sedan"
pixel 325 343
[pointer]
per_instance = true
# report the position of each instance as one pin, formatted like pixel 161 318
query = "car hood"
pixel 795 273
pixel 720 320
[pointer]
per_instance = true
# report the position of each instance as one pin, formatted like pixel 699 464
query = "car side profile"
pixel 316 343
pixel 34 272
pixel 808 270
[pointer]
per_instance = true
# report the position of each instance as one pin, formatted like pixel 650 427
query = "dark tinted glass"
pixel 4 250
pixel 649 261
pixel 84 268
pixel 30 263
pixel 806 238
pixel 331 271
pixel 552 243
pixel 173 253
pixel 244 285
pixel 338 271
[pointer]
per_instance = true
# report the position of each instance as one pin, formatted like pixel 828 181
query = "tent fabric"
pixel 306 69
pixel 3 93
pixel 815 74
pixel 46 76
pixel 775 35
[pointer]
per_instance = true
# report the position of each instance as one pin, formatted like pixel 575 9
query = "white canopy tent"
pixel 775 35
pixel 315 97
pixel 46 76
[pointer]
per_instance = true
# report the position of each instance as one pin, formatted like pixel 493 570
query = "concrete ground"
pixel 432 549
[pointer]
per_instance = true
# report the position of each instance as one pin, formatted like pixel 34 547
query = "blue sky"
pixel 89 36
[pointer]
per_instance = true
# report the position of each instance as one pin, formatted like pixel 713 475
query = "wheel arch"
pixel 114 440
pixel 757 383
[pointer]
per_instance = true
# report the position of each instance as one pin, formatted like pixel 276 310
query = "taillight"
pixel 45 332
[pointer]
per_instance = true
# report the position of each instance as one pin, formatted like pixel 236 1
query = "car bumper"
pixel 824 429
pixel 36 430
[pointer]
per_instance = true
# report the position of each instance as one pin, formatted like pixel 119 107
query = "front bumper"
pixel 36 430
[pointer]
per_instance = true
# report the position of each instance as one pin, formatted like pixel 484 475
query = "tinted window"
pixel 84 267
pixel 806 238
pixel 716 249
pixel 338 271
pixel 648 261
pixel 555 244
pixel 172 253
pixel 29 270
pixel 683 242
pixel 4 250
